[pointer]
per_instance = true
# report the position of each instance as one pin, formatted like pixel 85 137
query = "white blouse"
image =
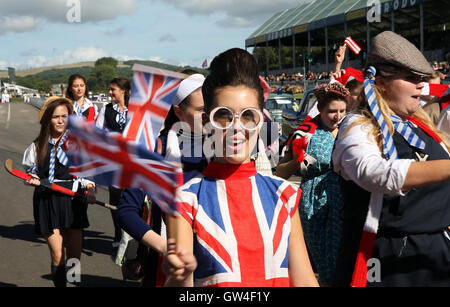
pixel 357 158
pixel 86 105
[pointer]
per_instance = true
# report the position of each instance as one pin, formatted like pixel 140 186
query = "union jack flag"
pixel 242 228
pixel 152 94
pixel 111 160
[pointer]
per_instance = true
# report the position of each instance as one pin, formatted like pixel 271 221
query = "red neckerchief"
pixel 230 171
pixel 425 128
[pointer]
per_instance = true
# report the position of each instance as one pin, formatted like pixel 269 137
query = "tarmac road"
pixel 25 258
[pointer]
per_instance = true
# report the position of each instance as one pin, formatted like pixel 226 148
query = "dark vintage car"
pixel 279 103
pixel 292 119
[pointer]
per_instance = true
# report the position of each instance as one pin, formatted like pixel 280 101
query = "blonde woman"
pixel 395 168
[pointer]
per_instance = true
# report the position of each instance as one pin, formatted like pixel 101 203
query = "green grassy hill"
pixel 60 74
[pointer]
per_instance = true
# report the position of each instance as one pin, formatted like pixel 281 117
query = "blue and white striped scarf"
pixel 79 110
pixel 122 114
pixel 402 127
pixel 60 154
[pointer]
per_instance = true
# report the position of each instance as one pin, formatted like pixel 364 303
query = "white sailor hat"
pixel 187 86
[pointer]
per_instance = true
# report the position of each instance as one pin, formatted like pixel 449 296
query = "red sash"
pixel 91 115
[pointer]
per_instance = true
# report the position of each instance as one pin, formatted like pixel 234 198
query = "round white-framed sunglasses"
pixel 250 119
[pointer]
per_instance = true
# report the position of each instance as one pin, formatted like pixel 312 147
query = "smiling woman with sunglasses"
pixel 237 227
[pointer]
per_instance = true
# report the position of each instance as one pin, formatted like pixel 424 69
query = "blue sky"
pixel 181 32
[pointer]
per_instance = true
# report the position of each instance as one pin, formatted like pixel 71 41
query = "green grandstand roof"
pixel 309 13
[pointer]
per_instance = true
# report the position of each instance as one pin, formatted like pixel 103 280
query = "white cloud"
pixel 18 23
pixel 171 60
pixel 125 58
pixel 239 13
pixel 80 54
pixel 24 15
pixel 156 59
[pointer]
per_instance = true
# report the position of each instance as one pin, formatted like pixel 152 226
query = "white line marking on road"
pixel 9 116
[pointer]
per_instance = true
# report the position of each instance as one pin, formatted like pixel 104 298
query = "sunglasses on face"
pixel 223 118
pixel 413 78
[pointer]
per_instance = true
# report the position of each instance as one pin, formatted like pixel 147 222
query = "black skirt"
pixel 53 210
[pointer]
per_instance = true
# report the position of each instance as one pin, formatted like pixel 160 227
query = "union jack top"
pixel 242 223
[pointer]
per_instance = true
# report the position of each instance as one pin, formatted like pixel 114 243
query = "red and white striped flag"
pixel 352 45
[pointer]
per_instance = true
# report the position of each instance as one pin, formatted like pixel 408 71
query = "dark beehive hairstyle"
pixel 233 67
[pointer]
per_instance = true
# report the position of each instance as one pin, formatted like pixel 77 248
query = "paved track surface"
pixel 25 256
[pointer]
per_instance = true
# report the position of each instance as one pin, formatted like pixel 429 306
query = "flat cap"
pixel 391 48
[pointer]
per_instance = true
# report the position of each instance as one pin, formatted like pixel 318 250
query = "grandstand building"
pixel 306 37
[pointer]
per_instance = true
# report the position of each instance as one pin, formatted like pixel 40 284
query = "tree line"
pixel 97 77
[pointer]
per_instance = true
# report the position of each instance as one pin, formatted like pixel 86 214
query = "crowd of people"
pixel 297 77
pixel 374 169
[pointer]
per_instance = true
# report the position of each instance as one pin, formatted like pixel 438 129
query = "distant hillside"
pixel 54 73
pixel 44 77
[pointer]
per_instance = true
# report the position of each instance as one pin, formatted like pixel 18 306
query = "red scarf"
pixel 302 135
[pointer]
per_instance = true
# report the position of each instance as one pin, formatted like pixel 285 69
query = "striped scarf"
pixel 122 114
pixel 60 154
pixel 78 110
pixel 371 224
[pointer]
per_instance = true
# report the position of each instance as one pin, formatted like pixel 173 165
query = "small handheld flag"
pixel 352 45
pixel 152 94
pixel 111 160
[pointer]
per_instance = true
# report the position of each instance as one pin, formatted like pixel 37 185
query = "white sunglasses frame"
pixel 259 125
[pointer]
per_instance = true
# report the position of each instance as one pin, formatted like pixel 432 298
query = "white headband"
pixel 187 86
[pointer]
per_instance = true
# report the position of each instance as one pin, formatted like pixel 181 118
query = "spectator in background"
pixel 435 65
pixel 321 200
pixel 351 81
pixel 113 117
pixel 77 91
pixel 5 97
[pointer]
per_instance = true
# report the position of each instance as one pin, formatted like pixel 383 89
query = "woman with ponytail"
pixel 395 169
pixel 113 117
